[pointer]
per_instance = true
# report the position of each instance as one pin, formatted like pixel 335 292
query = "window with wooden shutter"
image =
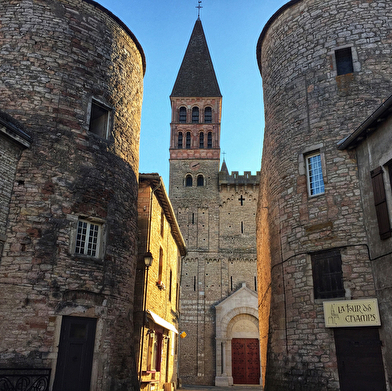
pixel 380 202
pixel 327 274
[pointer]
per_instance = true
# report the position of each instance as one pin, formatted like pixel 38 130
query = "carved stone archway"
pixel 236 317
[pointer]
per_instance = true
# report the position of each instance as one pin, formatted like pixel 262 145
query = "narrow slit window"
pixel 208 115
pixel 201 140
pixel 344 61
pixel 179 144
pixel 209 140
pixel 188 140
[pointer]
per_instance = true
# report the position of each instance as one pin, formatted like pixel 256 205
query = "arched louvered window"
pixel 201 140
pixel 209 140
pixel 208 115
pixel 195 115
pixel 200 180
pixel 188 180
pixel 179 144
pixel 182 115
pixel 188 140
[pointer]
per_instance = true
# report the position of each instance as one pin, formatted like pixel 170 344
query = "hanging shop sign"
pixel 351 313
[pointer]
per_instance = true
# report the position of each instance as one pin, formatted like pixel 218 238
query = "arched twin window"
pixel 182 115
pixel 208 115
pixel 195 115
pixel 189 180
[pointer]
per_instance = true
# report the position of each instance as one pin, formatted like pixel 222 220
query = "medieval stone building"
pixel 71 81
pixel 216 214
pixel 326 67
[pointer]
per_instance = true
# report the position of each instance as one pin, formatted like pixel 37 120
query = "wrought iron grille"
pixel 24 379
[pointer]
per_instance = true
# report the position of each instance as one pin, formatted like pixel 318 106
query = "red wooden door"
pixel 245 361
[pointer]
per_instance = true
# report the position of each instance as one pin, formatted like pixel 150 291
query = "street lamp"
pixel 148 258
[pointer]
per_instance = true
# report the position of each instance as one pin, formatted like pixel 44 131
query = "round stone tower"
pixel 326 66
pixel 71 77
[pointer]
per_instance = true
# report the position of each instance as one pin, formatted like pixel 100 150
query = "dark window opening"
pixel 195 115
pixel 344 61
pixel 231 283
pixel 170 285
pixel 182 115
pixel 193 218
pixel 327 275
pixel 255 283
pixel 188 181
pixel 209 140
pixel 201 140
pixel 200 180
pixel 188 140
pixel 242 227
pixel 208 115
pixel 194 283
pixel 380 202
pixel 99 119
pixel 179 144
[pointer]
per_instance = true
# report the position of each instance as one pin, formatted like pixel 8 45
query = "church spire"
pixel 196 77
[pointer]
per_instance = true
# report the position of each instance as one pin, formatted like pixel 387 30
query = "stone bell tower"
pixel 216 215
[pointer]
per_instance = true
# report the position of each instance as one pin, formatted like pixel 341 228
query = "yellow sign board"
pixel 351 313
pixel 183 334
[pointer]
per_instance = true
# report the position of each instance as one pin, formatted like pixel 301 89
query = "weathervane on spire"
pixel 199 6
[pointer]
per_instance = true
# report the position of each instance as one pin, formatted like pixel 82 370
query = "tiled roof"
pixel 196 77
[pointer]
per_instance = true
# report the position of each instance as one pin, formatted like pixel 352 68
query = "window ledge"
pixel 88 258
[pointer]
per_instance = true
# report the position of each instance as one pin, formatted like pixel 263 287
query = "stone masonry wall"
pixel 309 108
pixel 56 56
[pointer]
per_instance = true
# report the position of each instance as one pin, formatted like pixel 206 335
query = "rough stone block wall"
pixel 309 108
pixel 55 59
pixel 209 275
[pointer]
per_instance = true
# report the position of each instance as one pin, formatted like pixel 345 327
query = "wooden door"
pixel 75 357
pixel 360 363
pixel 245 361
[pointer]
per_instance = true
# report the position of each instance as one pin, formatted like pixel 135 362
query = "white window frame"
pixel 88 238
pixel 78 250
pixel 309 176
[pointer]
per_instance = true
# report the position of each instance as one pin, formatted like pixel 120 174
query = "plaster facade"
pixel 157 291
pixel 64 63
pixel 310 106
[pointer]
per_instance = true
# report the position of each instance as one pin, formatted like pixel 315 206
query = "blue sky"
pixel 232 28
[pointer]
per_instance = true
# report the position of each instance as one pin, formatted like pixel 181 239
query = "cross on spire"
pixel 199 6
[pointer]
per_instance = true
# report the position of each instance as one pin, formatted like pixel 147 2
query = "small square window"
pixel 344 61
pixel 314 174
pixel 99 119
pixel 88 238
